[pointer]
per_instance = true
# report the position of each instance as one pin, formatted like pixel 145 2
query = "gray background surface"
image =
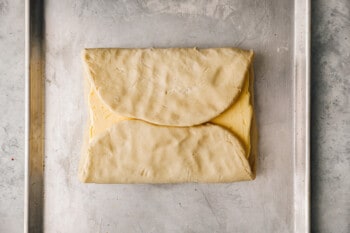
pixel 330 120
pixel 330 115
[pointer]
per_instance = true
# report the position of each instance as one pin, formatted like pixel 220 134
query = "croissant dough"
pixel 134 151
pixel 177 87
pixel 238 118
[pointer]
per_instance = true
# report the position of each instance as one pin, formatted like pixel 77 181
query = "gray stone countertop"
pixel 330 116
pixel 330 120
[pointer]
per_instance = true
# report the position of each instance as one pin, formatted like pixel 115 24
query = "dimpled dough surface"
pixel 237 118
pixel 133 151
pixel 175 87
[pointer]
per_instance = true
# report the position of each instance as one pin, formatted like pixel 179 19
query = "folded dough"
pixel 137 152
pixel 237 118
pixel 177 87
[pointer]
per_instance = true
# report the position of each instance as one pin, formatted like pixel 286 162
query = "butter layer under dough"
pixel 237 118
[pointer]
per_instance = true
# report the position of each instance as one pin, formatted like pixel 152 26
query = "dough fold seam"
pixel 237 120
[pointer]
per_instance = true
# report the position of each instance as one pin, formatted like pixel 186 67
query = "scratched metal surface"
pixel 264 205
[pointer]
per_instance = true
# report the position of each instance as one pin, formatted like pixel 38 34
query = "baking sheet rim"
pixel 301 114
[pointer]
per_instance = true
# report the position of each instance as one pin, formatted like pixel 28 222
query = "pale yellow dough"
pixel 177 87
pixel 237 118
pixel 138 152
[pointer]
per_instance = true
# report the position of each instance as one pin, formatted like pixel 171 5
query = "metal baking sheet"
pixel 57 31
